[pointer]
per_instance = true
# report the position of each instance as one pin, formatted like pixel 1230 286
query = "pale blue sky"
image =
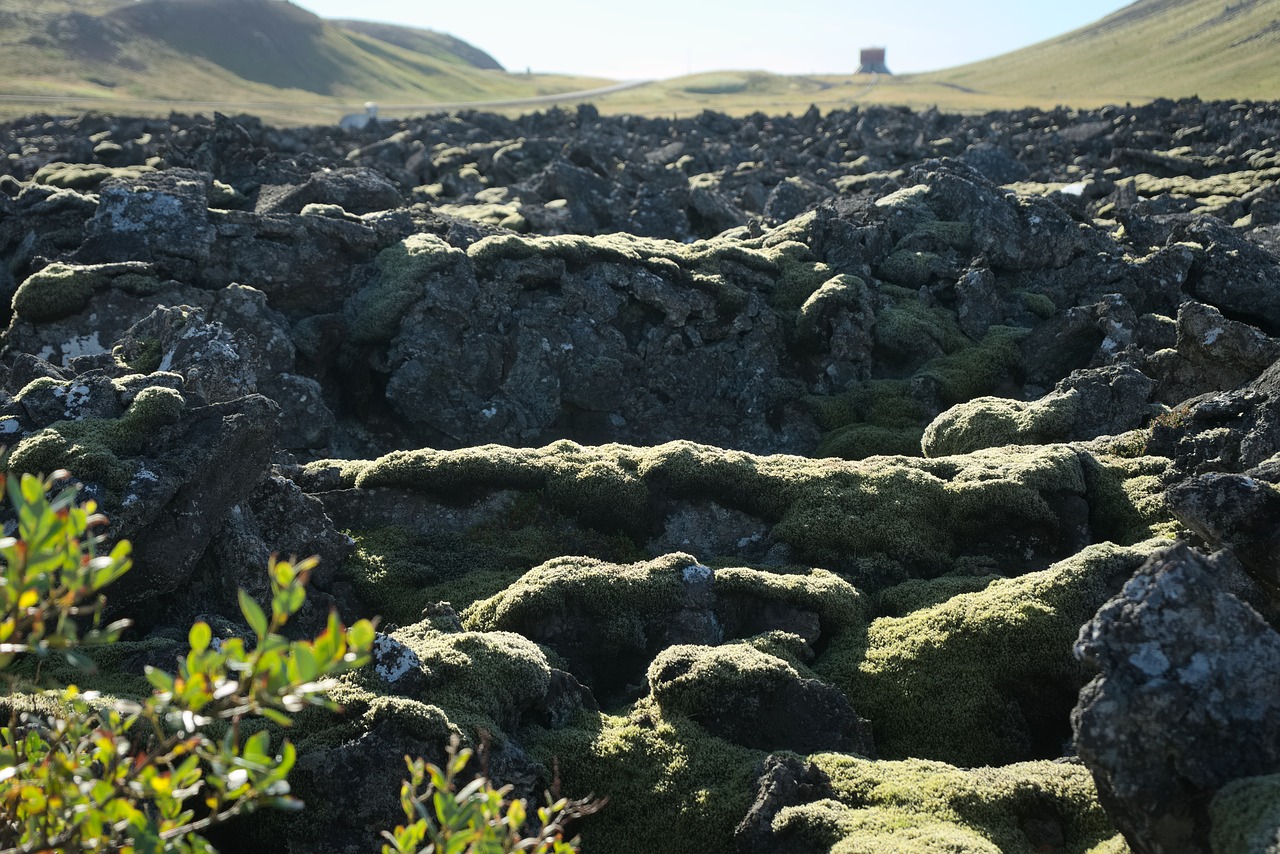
pixel 667 38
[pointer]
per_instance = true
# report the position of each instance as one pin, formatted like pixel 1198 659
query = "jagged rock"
pixel 783 781
pixel 1212 353
pixel 1185 702
pixel 355 190
pixel 1238 512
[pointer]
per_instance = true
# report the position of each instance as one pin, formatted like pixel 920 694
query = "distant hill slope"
pixel 423 41
pixel 1149 49
pixel 257 53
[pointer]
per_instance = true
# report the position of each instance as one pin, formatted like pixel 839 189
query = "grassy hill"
pixel 273 58
pixel 1228 49
pixel 1149 49
pixel 423 41
pixel 267 56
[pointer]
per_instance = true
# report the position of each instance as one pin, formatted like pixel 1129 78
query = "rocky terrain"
pixel 871 481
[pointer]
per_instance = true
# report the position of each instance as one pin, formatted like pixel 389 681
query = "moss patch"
pixel 398 572
pixel 915 806
pixel 400 283
pixel 57 291
pixel 985 677
pixel 671 787
pixel 85 176
pixel 878 521
pixel 99 449
pixel 989 422
pixel 1246 816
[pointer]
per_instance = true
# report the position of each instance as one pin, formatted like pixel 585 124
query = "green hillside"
pixel 265 56
pixel 1217 49
pixel 1149 49
pixel 423 41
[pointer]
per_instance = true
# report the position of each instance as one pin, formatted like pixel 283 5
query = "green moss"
pixel 859 441
pixel 225 197
pixel 837 603
pixel 148 357
pixel 986 677
pixel 1229 184
pixel 98 449
pixel 57 291
pixel 1038 304
pixel 912 330
pixel 778 264
pixel 1246 816
pixel 916 805
pixel 990 422
pixel 671 787
pixel 41 453
pixel 398 573
pixel 976 370
pixel 1127 498
pixel 917 593
pixel 881 520
pixel 696 680
pixel 502 215
pixel 84 176
pixel 482 680
pixel 955 235
pixel 137 284
pixel 879 403
pixel 155 407
pixel 620 598
pixel 911 269
pixel 840 291
pixel 402 270
pixel 799 276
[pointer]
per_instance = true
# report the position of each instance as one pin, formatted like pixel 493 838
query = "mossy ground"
pixel 983 677
pixel 671 786
pixel 915 805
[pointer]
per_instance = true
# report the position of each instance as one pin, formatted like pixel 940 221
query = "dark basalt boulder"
pixel 1185 703
pixel 783 781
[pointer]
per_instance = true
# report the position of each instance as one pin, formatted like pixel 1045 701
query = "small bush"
pixel 89 772
pixel 476 819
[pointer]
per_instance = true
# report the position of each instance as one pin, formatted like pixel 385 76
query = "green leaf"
pixel 199 636
pixel 276 716
pixel 253 614
pixel 305 665
pixel 360 636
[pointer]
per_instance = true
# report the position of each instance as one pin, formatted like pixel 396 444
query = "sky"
pixel 675 37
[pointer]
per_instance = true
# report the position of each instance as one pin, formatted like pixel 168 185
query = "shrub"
pixel 83 771
pixel 87 772
pixel 476 818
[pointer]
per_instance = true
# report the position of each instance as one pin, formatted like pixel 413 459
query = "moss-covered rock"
pixel 84 176
pixel 986 677
pixel 878 521
pixel 915 805
pixel 99 449
pixel 58 291
pixel 755 698
pixel 989 422
pixel 672 787
pixel 1246 816
pixel 402 270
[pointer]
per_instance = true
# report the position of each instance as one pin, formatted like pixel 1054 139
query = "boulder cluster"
pixel 870 481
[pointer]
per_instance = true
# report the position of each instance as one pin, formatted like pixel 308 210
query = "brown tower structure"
pixel 872 61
